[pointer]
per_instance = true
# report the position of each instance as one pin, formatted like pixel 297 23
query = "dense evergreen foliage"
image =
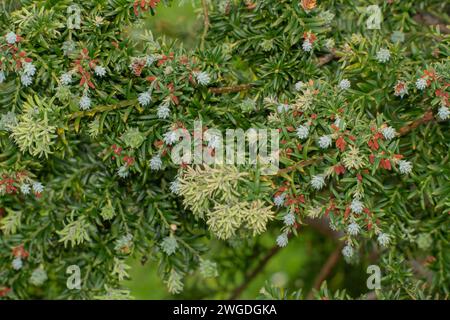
pixel 89 106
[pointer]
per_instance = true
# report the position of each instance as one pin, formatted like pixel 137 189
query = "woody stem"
pixel 331 262
pixel 206 23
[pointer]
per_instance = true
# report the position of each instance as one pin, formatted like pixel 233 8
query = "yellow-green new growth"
pixel 76 232
pixel 225 220
pixel 174 282
pixel 215 194
pixel 120 269
pixel 200 184
pixel 11 223
pixel 33 133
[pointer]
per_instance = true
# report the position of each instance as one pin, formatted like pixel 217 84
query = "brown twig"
pixel 260 267
pixel 419 269
pixel 331 262
pixel 300 164
pixel 323 60
pixel 322 225
pixel 205 22
pixel 371 296
pixel 427 117
pixel 319 224
pixel 99 109
pixel 231 89
pixel 431 20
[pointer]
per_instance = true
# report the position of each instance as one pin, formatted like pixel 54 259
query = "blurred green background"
pixel 293 267
pixel 177 22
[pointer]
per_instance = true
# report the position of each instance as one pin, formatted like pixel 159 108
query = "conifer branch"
pixel 128 103
pixel 426 118
pixel 99 80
